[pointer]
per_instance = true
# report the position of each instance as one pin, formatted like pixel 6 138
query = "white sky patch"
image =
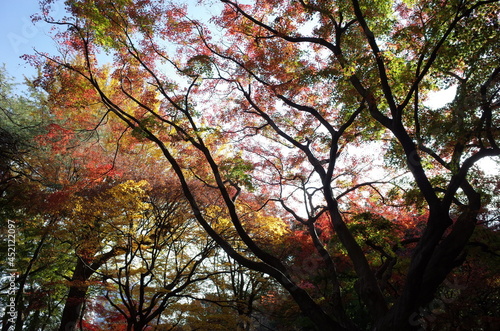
pixel 438 99
pixel 490 166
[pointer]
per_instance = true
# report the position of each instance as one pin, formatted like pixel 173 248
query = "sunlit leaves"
pixel 269 124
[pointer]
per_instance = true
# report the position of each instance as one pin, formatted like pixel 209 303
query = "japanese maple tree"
pixel 278 105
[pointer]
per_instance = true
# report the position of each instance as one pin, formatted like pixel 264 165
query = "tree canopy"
pixel 308 169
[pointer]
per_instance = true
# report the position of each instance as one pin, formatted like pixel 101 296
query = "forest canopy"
pixel 254 165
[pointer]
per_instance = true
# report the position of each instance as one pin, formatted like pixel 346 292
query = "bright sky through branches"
pixel 20 36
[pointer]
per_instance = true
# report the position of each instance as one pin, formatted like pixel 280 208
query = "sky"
pixel 20 36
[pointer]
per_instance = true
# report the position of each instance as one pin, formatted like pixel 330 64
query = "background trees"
pixel 275 109
pixel 164 259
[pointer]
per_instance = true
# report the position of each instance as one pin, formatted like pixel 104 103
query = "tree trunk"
pixel 76 296
pixel 79 287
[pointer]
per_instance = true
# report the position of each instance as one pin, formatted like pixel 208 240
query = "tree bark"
pixel 79 287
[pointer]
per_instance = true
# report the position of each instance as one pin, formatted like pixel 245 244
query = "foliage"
pixel 268 114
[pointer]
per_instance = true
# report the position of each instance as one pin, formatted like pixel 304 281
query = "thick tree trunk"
pixel 76 296
pixel 430 266
pixel 79 287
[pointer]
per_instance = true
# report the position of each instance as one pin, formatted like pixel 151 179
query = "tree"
pixel 46 163
pixel 165 253
pixel 277 105
pixel 93 219
pixel 233 301
pixel 75 211
pixel 18 127
pixel 232 298
pixel 27 230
